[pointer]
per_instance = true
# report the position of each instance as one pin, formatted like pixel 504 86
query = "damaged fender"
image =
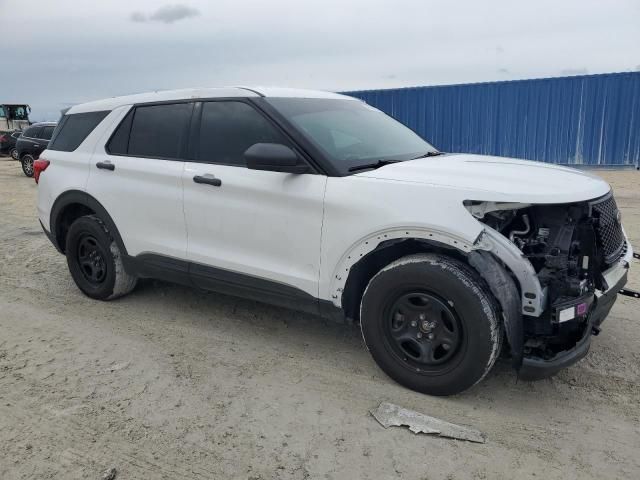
pixel 504 289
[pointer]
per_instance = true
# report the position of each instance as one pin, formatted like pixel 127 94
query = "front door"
pixel 248 228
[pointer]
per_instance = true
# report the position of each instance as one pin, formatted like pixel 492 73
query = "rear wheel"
pixel 95 261
pixel 431 324
pixel 14 154
pixel 27 165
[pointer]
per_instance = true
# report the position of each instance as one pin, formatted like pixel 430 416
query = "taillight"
pixel 3 138
pixel 39 166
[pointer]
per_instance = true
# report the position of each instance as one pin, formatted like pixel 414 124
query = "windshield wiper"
pixel 378 164
pixel 429 154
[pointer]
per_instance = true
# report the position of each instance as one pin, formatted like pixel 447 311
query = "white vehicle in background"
pixel 323 203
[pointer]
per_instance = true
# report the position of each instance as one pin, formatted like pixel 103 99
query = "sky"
pixel 56 53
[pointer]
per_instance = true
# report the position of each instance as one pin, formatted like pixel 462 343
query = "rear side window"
pixel 159 131
pixel 228 129
pixel 73 129
pixel 32 132
pixel 46 132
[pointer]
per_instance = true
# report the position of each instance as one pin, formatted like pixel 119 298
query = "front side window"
pixel 73 129
pixel 159 131
pixel 228 129
pixel 350 132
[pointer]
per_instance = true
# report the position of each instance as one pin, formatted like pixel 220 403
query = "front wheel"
pixel 431 324
pixel 27 165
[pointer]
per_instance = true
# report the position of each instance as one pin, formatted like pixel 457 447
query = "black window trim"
pixel 187 152
pixel 132 111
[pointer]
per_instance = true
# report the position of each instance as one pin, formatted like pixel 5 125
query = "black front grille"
pixel 609 228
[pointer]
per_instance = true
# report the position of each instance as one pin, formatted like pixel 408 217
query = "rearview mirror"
pixel 274 157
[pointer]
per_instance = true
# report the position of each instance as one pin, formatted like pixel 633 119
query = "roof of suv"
pixel 201 93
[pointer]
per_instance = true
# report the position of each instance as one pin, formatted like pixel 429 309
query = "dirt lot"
pixel 175 383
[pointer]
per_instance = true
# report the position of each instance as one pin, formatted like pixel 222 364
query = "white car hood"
pixel 490 178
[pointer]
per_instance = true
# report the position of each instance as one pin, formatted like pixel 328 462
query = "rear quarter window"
pixel 73 129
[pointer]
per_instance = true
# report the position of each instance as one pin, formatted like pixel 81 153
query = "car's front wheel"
pixel 431 324
pixel 95 261
pixel 27 165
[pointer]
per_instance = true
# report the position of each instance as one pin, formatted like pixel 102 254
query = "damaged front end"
pixel 568 262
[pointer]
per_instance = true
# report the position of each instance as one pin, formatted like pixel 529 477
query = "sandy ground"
pixel 176 383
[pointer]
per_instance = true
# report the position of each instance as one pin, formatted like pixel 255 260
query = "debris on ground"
pixel 110 474
pixel 390 415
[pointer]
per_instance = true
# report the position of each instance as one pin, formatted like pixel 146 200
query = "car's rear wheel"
pixel 14 154
pixel 431 324
pixel 27 165
pixel 95 261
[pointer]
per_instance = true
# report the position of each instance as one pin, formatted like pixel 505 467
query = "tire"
pixel 431 324
pixel 27 165
pixel 95 261
pixel 14 154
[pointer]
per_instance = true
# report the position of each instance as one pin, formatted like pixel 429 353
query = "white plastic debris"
pixel 390 415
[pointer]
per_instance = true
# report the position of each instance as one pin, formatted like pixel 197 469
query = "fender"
pixel 79 197
pixel 369 243
pixel 533 295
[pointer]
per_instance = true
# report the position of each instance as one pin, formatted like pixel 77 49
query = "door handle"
pixel 106 166
pixel 208 179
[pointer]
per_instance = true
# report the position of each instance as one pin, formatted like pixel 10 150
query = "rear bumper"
pixel 536 368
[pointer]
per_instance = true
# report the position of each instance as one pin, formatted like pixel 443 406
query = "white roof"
pixel 183 94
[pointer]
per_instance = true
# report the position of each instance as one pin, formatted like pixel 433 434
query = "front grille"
pixel 608 228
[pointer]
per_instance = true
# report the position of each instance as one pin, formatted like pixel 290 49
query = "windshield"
pixel 350 132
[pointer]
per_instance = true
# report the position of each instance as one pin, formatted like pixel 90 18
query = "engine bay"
pixel 564 244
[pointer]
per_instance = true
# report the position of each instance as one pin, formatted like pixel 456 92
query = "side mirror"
pixel 274 157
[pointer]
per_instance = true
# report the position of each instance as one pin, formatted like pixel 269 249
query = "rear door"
pixel 29 142
pixel 137 177
pixel 249 229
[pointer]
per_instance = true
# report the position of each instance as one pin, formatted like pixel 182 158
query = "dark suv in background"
pixel 8 142
pixel 32 143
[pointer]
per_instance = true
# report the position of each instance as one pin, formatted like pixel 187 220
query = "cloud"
pixel 166 14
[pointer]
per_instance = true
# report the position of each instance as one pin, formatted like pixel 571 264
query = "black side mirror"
pixel 274 157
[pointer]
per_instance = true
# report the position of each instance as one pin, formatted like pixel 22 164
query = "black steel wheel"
pixel 90 256
pixel 95 261
pixel 423 330
pixel 431 324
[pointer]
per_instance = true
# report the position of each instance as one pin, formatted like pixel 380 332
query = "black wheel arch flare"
pixel 78 197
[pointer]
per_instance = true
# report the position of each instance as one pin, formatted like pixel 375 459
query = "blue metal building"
pixel 583 120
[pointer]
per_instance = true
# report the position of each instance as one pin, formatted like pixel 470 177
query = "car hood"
pixel 500 179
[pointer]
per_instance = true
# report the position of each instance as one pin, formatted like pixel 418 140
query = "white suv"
pixel 320 202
